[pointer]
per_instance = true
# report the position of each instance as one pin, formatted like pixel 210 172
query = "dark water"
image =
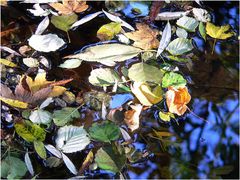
pixel 206 141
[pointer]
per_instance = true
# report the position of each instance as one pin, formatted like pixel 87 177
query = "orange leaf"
pixel 132 116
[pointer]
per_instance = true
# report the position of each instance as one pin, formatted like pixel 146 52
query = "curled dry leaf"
pixel 70 6
pixel 144 37
pixel 177 100
pixel 132 116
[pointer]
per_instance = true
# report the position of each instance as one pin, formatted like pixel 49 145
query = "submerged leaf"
pixel 218 32
pixel 180 46
pixel 108 31
pixel 173 79
pixel 166 38
pixel 64 22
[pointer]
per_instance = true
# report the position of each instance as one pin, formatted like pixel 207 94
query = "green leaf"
pixel 179 46
pixel 107 54
pixel 176 58
pixel 108 31
pixel 202 30
pixel 105 131
pixel 166 116
pixel 29 131
pixel 65 115
pixel 103 77
pixel 40 149
pixel 71 139
pixel 40 116
pixel 173 79
pixel 187 23
pixel 13 168
pixel 71 63
pixel 110 158
pixel 64 22
pixel 181 33
pixel 142 72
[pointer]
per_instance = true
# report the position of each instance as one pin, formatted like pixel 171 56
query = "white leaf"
pixel 71 63
pixel 125 135
pixel 86 19
pixel 46 103
pixel 5 48
pixel 38 11
pixel 45 43
pixel 182 33
pixel 72 139
pixel 42 26
pixel 198 2
pixel 166 37
pixel 69 164
pixel 187 23
pixel 179 46
pixel 40 116
pixel 30 62
pixel 201 14
pixel 165 16
pixel 44 61
pixel 104 110
pixel 53 150
pixel 118 20
pixel 123 39
pixel 28 163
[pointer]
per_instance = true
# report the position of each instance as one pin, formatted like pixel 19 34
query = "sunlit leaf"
pixel 14 103
pixel 173 79
pixel 187 23
pixel 181 33
pixel 180 46
pixel 28 163
pixel 201 15
pixel 65 115
pixel 42 26
pixel 166 116
pixel 31 62
pixel 88 160
pixel 202 30
pixel 131 117
pixel 218 32
pixel 71 63
pixel 7 63
pixel 165 16
pixel 108 31
pixel 166 38
pixel 40 116
pixel 69 164
pixel 40 149
pixel 64 22
pixel 53 150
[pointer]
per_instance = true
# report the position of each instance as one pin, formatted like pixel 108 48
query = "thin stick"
pixel 214 43
pixel 69 40
pixel 197 115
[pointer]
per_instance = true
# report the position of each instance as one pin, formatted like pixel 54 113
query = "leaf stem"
pixel 214 43
pixel 69 40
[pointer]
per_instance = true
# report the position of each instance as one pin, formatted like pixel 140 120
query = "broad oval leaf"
pixel 71 63
pixel 107 54
pixel 108 31
pixel 105 131
pixel 45 43
pixel 71 139
pixel 180 46
pixel 218 32
pixel 40 149
pixel 69 164
pixel 165 16
pixel 142 72
pixel 28 163
pixel 187 23
pixel 166 37
pixel 64 22
pixel 173 79
pixel 181 33
pixel 40 116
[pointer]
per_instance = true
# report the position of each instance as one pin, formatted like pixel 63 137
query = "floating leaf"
pixel 53 150
pixel 65 115
pixel 144 37
pixel 107 54
pixel 218 32
pixel 181 33
pixel 7 63
pixel 42 26
pixel 201 15
pixel 14 103
pixel 202 30
pixel 40 116
pixel 142 72
pixel 166 37
pixel 165 16
pixel 29 131
pixel 64 22
pixel 71 139
pixel 187 23
pixel 131 117
pixel 88 160
pixel 69 164
pixel 71 63
pixel 38 11
pixel 108 31
pixel 103 77
pixel 40 149
pixel 180 46
pixel 105 131
pixel 110 158
pixel 166 116
pixel 28 163
pixel 45 43
pixel 173 79
pixel 31 62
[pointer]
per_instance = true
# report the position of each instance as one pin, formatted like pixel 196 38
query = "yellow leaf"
pixel 39 82
pixel 162 133
pixel 88 160
pixel 218 32
pixel 7 63
pixel 57 91
pixel 14 103
pixel 108 31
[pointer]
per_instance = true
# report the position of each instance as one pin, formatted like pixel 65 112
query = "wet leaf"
pixel 46 103
pixel 131 117
pixel 71 139
pixel 165 16
pixel 14 103
pixel 38 11
pixel 181 33
pixel 29 131
pixel 218 32
pixel 108 31
pixel 201 15
pixel 103 77
pixel 110 158
pixel 65 115
pixel 105 131
pixel 40 149
pixel 177 100
pixel 166 116
pixel 69 164
pixel 142 72
pixel 180 46
pixel 40 116
pixel 31 62
pixel 12 168
pixel 162 133
pixel 29 163
pixel 53 150
pixel 202 30
pixel 42 26
pixel 107 54
pixel 166 38
pixel 42 42
pixel 187 23
pixel 88 160
pixel 53 162
pixel 7 63
pixel 71 63
pixel 70 6
pixel 173 79
pixel 144 37
pixel 64 22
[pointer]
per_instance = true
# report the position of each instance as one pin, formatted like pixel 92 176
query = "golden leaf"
pixel 7 63
pixel 70 6
pixel 14 103
pixel 88 160
pixel 218 32
pixel 177 100
pixel 131 117
pixel 144 37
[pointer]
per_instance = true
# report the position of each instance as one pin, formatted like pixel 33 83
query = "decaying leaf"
pixel 88 160
pixel 70 6
pixel 7 63
pixel 131 117
pixel 108 31
pixel 144 37
pixel 165 16
pixel 218 32
pixel 177 100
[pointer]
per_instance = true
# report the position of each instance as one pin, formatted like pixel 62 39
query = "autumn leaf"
pixel 7 63
pixel 131 117
pixel 108 31
pixel 177 100
pixel 70 6
pixel 88 160
pixel 218 32
pixel 14 103
pixel 144 37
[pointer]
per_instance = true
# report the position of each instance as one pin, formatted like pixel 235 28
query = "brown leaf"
pixel 6 91
pixel 144 37
pixel 88 160
pixel 70 6
pixel 24 49
pixel 132 116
